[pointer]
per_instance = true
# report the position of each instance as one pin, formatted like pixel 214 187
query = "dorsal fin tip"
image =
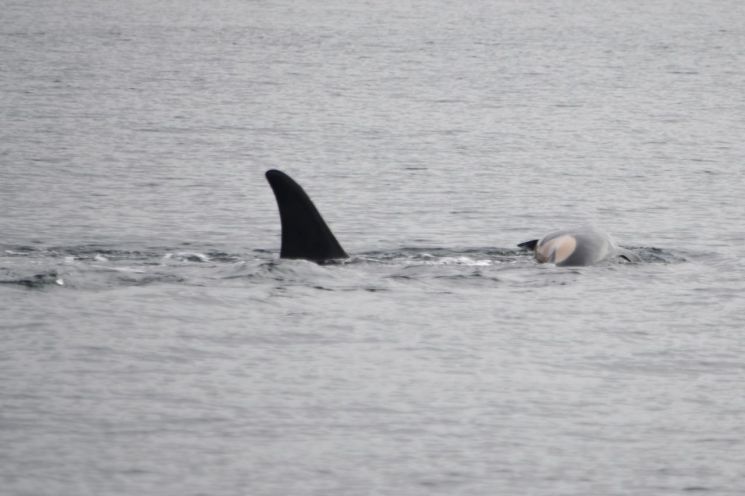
pixel 305 234
pixel 528 245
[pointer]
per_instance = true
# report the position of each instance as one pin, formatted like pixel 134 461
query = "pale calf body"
pixel 572 247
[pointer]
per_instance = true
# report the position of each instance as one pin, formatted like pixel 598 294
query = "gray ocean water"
pixel 153 342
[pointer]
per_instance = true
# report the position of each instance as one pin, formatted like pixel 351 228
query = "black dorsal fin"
pixel 529 245
pixel 304 232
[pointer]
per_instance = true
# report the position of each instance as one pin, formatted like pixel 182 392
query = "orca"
pixel 305 235
pixel 576 247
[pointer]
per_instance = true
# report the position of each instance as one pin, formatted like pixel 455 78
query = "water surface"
pixel 154 343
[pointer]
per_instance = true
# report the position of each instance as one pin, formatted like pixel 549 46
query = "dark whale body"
pixel 305 235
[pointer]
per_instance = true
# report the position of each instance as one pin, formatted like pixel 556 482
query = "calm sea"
pixel 153 343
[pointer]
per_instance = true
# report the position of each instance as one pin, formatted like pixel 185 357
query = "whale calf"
pixel 574 247
pixel 305 235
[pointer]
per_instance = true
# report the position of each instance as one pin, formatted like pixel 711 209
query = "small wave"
pixel 185 256
pixel 18 251
pixel 649 254
pixel 441 256
pixel 102 253
pixel 469 277
pixel 107 268
pixel 37 280
pixel 126 280
pixel 223 257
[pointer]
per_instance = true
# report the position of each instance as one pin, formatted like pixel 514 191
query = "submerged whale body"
pixel 305 235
